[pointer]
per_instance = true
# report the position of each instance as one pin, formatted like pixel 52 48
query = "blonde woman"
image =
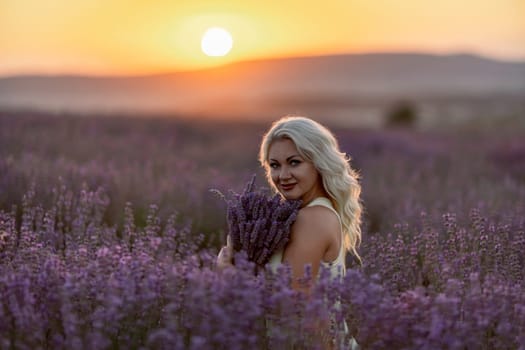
pixel 303 161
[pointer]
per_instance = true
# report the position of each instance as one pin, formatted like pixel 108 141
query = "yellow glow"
pixel 138 37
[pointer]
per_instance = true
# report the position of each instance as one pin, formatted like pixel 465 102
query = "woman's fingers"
pixel 225 257
pixel 227 253
pixel 228 249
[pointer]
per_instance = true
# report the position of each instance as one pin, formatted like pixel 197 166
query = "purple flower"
pixel 259 224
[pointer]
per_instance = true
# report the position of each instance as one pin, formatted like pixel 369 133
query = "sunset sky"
pixel 120 37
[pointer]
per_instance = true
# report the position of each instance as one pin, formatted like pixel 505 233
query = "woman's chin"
pixel 290 196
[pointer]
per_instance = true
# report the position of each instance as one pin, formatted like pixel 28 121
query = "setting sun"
pixel 216 42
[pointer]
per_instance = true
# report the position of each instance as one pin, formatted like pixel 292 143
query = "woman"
pixel 303 161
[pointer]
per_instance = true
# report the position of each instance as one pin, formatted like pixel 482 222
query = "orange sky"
pixel 139 36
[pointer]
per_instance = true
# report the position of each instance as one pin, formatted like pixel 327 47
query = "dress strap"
pixel 327 203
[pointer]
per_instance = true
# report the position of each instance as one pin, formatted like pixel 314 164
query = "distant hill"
pixel 288 84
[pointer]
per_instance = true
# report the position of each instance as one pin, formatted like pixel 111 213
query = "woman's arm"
pixel 312 234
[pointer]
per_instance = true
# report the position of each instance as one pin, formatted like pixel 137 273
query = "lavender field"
pixel 109 231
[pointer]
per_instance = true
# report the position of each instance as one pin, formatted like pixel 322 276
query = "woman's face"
pixel 293 176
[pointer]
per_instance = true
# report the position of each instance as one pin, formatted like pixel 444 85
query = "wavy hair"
pixel 317 144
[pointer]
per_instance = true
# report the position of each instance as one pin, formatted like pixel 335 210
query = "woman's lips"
pixel 288 187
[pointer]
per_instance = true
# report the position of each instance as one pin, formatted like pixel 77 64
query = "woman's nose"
pixel 285 173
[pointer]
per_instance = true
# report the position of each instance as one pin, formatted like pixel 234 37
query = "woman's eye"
pixel 295 162
pixel 274 165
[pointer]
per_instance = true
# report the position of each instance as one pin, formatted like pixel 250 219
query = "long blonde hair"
pixel 317 144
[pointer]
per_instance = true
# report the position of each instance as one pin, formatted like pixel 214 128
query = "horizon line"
pixel 154 73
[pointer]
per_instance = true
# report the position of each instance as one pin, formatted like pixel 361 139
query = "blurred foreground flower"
pixel 259 224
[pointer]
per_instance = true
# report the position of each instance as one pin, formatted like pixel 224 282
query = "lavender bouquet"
pixel 259 224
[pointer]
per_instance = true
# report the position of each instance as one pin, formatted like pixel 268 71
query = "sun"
pixel 216 42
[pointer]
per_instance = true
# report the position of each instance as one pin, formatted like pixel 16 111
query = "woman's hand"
pixel 224 259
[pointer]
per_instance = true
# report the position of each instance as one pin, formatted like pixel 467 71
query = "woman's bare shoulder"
pixel 319 221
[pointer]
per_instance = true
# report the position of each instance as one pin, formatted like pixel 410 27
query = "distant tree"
pixel 401 114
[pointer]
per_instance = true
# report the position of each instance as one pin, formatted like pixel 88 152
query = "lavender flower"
pixel 80 269
pixel 259 224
